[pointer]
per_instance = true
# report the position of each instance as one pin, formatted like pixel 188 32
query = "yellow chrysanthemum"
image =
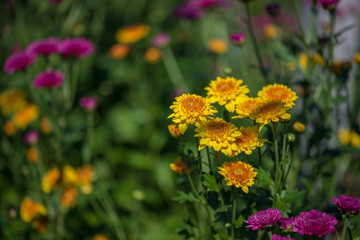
pixel 179 167
pixel 239 174
pixel 270 111
pixel 218 134
pixel 50 179
pixel 12 101
pixel 348 137
pixel 249 140
pixel 190 109
pixel 26 115
pixel 246 107
pixel 132 34
pixel 278 92
pixel 303 60
pixel 226 91
pixel 218 46
pixel 69 176
pixel 30 210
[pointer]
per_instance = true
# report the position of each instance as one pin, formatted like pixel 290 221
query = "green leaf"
pixel 264 178
pixel 210 183
pixel 185 197
pixel 239 221
pixel 223 209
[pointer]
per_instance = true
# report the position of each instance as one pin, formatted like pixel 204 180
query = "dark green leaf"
pixel 185 197
pixel 210 183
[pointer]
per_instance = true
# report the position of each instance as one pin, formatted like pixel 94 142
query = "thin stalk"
pixel 276 162
pixel 173 69
pixel 209 160
pixel 199 157
pixel 258 149
pixel 218 158
pixel 343 235
pixel 330 62
pixel 298 18
pixel 311 25
pixel 233 214
pixel 270 235
pixel 255 44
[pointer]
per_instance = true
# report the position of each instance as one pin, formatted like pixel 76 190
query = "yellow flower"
pixel 69 176
pixel 303 60
pixel 26 115
pixel 12 101
pixel 278 92
pixel 119 51
pixel 226 91
pixel 45 126
pixel 249 140
pixel 355 140
pixel 218 46
pixel 270 31
pixel 245 107
pixel 357 58
pixel 190 109
pixel 174 130
pixel 32 154
pixel 347 137
pixel 9 128
pixel 270 111
pixel 68 197
pixel 179 167
pixel 239 174
pixel 153 55
pixel 318 59
pixel 84 177
pixel 299 127
pixel 50 180
pixel 132 33
pixel 30 210
pixel 100 236
pixel 218 134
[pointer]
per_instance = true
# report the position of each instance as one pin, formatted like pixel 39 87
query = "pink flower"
pixel 347 204
pixel 264 219
pixel 31 137
pixel 18 61
pixel 78 47
pixel 48 79
pixel 208 3
pixel 45 46
pixel 314 223
pixel 187 11
pixel 161 40
pixel 276 237
pixel 286 223
pixel 329 4
pixel 238 39
pixel 88 103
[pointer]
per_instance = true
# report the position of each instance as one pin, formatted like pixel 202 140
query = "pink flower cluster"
pixel 193 9
pixel 347 205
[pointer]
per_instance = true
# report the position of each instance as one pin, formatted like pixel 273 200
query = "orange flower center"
pixel 192 104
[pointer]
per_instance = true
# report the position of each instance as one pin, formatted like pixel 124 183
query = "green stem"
pixel 298 18
pixel 258 149
pixel 173 69
pixel 311 25
pixel 209 160
pixel 330 62
pixel 270 235
pixel 276 162
pixel 218 158
pixel 255 44
pixel 233 213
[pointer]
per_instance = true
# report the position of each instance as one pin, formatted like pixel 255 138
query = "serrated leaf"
pixel 210 183
pixel 264 178
pixel 185 197
pixel 223 209
pixel 239 221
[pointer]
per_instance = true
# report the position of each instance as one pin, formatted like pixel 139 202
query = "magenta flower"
pixel 347 205
pixel 187 11
pixel 238 39
pixel 314 223
pixel 18 61
pixel 264 219
pixel 49 79
pixel 31 137
pixel 160 40
pixel 329 4
pixel 286 223
pixel 209 3
pixel 88 103
pixel 276 237
pixel 78 47
pixel 45 46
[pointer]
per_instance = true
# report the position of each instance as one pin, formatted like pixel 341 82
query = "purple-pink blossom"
pixel 314 223
pixel 277 237
pixel 264 219
pixel 48 79
pixel 286 223
pixel 347 204
pixel 45 46
pixel 329 4
pixel 31 137
pixel 187 11
pixel 237 38
pixel 208 3
pixel 18 61
pixel 160 40
pixel 78 47
pixel 88 103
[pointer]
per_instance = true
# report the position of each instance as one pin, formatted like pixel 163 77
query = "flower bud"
pixel 329 4
pixel 290 137
pixel 299 127
pixel 228 71
pixel 238 39
pixel 174 130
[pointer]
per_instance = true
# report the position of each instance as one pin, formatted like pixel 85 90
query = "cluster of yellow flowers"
pixel 271 105
pixel 349 137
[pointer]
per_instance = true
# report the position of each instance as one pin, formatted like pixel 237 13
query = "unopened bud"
pixel 290 137
pixel 299 127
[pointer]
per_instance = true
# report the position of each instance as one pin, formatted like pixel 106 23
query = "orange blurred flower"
pixel 152 55
pixel 270 31
pixel 100 236
pixel 26 115
pixel 50 179
pixel 179 167
pixel 84 178
pixel 32 154
pixel 68 198
pixel 69 176
pixel 174 130
pixel 218 46
pixel 132 33
pixel 12 101
pixel 30 210
pixel 45 126
pixel 119 51
pixel 9 128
